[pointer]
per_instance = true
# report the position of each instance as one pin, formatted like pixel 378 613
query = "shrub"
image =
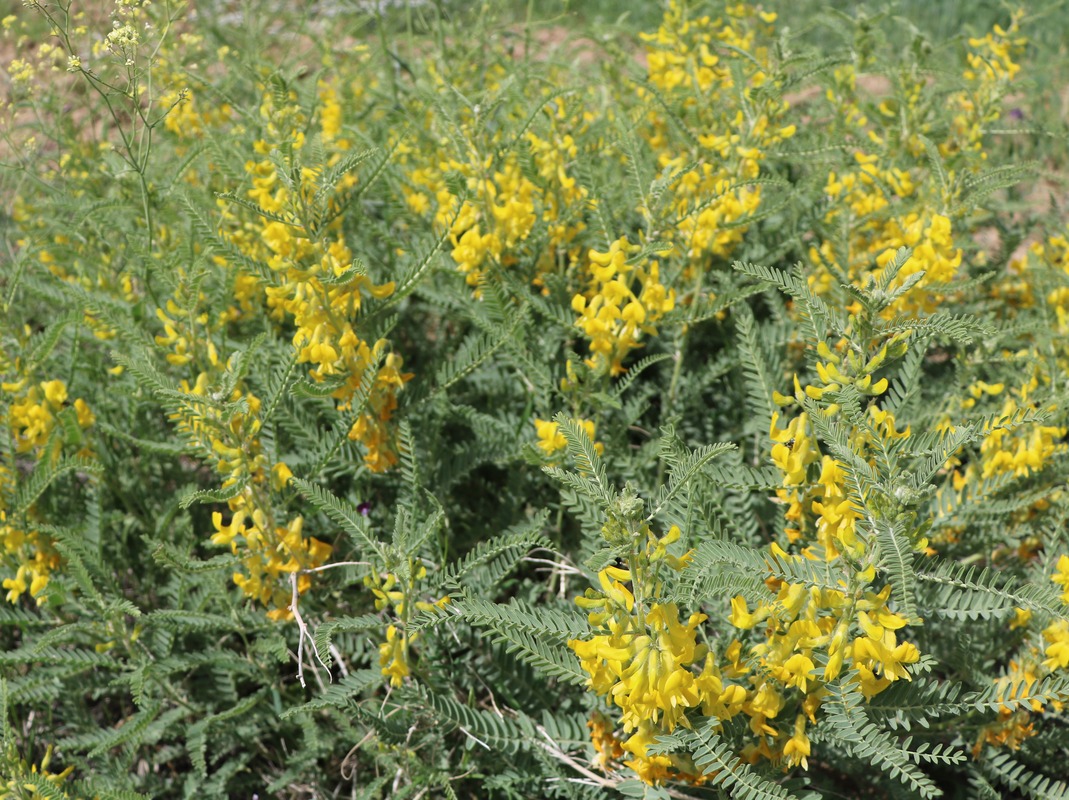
pixel 470 407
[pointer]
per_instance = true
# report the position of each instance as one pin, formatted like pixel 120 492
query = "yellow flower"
pixel 1022 616
pixel 879 650
pixel 797 748
pixel 1061 576
pixel 606 745
pixel 393 656
pixel 55 392
pixel 550 439
pixel 740 614
pixel 1057 635
pixel 17 585
pixel 796 671
pixel 280 476
pixel 764 705
pixel 611 314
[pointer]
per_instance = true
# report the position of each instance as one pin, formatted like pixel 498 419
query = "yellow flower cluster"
pixel 625 300
pixel 316 279
pixel 509 196
pixel 1038 275
pixel 271 550
pixel 860 193
pixel 894 197
pixel 929 237
pixel 991 57
pixel 524 205
pixel 15 784
pixel 187 118
pixel 180 327
pixel 33 421
pixel 1023 451
pixel 505 203
pixel 35 560
pixel 270 553
pixel 1019 451
pixel 874 238
pixel 853 626
pixel 696 62
pixel 1052 255
pixel 35 409
pixel 649 663
pixel 991 69
pixel 681 54
pixel 798 622
pixel 1013 725
pixel 821 510
pixel 551 441
pixel 792 454
pixel 397 593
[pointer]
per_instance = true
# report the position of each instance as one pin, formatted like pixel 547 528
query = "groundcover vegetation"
pixel 463 401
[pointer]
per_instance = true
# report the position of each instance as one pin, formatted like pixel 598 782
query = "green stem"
pixel 673 384
pixel 677 369
pixel 391 64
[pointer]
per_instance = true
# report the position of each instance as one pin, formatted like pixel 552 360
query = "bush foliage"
pixel 433 402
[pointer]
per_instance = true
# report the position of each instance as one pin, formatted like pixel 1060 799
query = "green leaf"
pixel 720 764
pixel 344 513
pixel 44 474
